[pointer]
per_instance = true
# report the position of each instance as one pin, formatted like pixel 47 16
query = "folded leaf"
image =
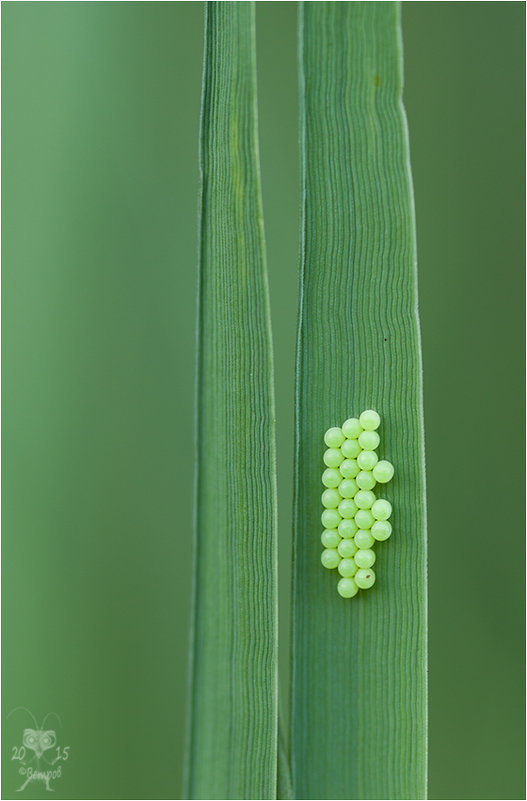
pixel 232 743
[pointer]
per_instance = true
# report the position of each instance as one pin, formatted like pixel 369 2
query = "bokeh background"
pixel 100 180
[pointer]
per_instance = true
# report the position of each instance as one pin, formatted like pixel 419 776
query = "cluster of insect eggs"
pixel 353 518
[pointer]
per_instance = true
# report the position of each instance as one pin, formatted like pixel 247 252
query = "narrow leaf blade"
pixel 359 665
pixel 232 748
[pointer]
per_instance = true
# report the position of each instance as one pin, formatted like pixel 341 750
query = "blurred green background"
pixel 100 180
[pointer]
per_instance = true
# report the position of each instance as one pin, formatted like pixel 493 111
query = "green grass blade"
pixel 359 666
pixel 232 751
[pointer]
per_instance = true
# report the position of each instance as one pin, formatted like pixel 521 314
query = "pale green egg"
pixel 347 528
pixel 331 477
pixel 350 448
pixel 364 499
pixel 347 549
pixel 347 588
pixel 333 457
pixel 347 568
pixel 364 578
pixel 334 437
pixel 330 518
pixel 364 519
pixel 367 460
pixel 331 498
pixel 369 420
pixel 381 509
pixel 349 468
pixel 351 428
pixel 365 480
pixel 381 530
pixel 330 538
pixel 347 508
pixel 383 471
pixel 364 557
pixel 363 539
pixel 369 440
pixel 348 488
pixel 330 558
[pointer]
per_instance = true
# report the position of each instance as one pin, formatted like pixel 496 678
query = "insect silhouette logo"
pixel 40 756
